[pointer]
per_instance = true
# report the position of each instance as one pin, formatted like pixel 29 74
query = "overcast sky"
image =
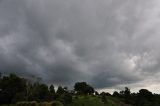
pixel 108 43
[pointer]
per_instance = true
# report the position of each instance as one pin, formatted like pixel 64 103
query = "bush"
pixel 33 103
pixel 44 104
pixel 22 104
pixel 56 103
pixel 66 98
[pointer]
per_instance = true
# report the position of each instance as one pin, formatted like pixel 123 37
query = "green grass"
pixel 83 101
pixel 95 101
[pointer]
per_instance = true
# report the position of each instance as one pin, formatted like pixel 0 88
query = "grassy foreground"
pixel 95 101
pixel 78 101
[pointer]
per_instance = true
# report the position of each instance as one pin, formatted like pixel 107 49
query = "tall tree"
pixel 51 89
pixel 60 90
pixel 127 95
pixel 83 88
pixel 52 92
pixel 40 92
pixel 13 88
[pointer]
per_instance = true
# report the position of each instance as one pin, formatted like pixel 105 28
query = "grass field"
pixel 95 101
pixel 89 100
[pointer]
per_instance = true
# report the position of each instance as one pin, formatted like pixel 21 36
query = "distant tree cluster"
pixel 143 98
pixel 14 89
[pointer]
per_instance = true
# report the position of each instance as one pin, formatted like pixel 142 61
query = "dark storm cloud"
pixel 106 43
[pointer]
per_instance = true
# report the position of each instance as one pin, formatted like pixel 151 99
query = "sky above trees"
pixel 107 43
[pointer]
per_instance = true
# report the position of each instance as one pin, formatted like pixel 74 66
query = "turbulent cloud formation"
pixel 107 43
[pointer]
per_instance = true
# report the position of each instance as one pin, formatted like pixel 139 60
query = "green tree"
pixel 83 88
pixel 96 93
pixel 51 89
pixel 145 93
pixel 116 94
pixel 127 95
pixel 144 97
pixel 60 90
pixel 12 87
pixel 40 92
pixel 67 98
pixel 52 92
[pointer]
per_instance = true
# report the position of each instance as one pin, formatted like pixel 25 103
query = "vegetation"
pixel 17 91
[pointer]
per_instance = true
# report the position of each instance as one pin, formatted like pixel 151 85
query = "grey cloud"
pixel 106 43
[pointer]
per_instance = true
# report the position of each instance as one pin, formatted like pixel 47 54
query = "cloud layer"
pixel 107 43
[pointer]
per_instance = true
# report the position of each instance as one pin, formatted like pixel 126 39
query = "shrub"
pixel 44 104
pixel 56 103
pixel 66 98
pixel 33 103
pixel 22 104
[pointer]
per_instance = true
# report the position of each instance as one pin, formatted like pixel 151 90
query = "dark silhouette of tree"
pixel 127 95
pixel 13 88
pixel 30 89
pixel 60 90
pixel 116 94
pixel 67 98
pixel 96 93
pixel 43 92
pixel 83 88
pixel 40 92
pixel 145 93
pixel 51 89
pixel 104 96
pixel 88 90
pixel 105 93
pixel 52 92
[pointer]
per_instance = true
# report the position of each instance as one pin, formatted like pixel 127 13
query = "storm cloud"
pixel 107 43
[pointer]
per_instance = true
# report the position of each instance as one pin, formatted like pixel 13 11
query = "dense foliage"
pixel 22 92
pixel 83 88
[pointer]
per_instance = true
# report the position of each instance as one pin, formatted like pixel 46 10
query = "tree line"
pixel 14 89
